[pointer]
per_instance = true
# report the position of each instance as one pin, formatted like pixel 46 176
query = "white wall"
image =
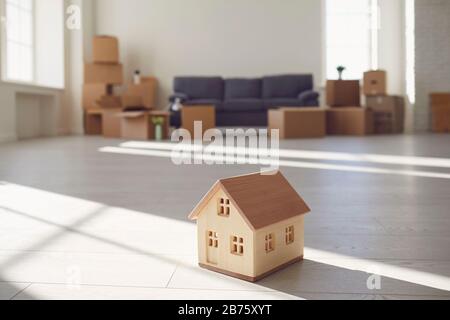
pixel 77 49
pixel 166 38
pixel 34 115
pixel 49 43
pixel 391 51
pixel 432 55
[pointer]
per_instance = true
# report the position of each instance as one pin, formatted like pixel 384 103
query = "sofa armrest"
pixel 309 96
pixel 178 95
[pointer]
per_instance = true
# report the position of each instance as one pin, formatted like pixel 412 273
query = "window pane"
pixel 355 59
pixel 348 30
pixel 13 58
pixel 26 73
pixel 26 4
pixel 13 22
pixel 349 41
pixel 26 28
pixel 348 6
pixel 20 62
pixel 19 40
pixel 14 2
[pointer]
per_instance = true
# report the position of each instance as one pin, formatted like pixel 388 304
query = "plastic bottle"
pixel 137 77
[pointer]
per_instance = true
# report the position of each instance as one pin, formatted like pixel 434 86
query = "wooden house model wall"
pixel 250 226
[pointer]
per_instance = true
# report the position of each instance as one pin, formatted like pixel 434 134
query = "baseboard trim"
pixel 248 278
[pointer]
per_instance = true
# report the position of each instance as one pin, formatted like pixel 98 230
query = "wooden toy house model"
pixel 250 226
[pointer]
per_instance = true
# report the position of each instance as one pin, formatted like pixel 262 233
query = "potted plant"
pixel 158 122
pixel 340 70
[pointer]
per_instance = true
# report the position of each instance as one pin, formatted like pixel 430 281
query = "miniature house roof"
pixel 262 200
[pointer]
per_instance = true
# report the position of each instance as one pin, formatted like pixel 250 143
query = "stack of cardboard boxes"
pixel 346 116
pixel 440 112
pixel 383 114
pixel 108 113
pixel 139 123
pixel 100 77
pixel 388 110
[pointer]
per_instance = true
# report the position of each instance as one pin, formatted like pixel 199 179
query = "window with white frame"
pixel 352 37
pixel 33 42
pixel 19 40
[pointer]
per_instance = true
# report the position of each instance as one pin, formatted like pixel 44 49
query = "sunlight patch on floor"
pixel 273 163
pixel 304 154
pixel 69 216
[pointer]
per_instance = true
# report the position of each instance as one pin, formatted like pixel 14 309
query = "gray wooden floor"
pixel 77 223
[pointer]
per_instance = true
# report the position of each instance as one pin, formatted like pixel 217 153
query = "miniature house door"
pixel 212 247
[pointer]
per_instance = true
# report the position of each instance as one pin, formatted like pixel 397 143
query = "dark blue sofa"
pixel 244 102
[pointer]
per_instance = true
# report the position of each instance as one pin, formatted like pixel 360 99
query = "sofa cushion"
pixel 200 87
pixel 243 105
pixel 287 86
pixel 276 103
pixel 308 96
pixel 243 89
pixel 242 119
pixel 218 104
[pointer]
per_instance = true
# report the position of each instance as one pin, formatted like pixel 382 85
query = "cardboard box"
pixel 103 73
pixel 92 121
pixel 440 119
pixel 105 49
pixel 375 83
pixel 341 93
pixel 353 121
pixel 294 123
pixel 139 125
pixel 111 123
pixel 149 80
pixel 440 112
pixel 132 102
pixel 192 114
pixel 93 92
pixel 440 98
pixel 389 113
pixel 110 102
pixel 146 89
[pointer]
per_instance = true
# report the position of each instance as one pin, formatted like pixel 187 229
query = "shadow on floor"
pixel 11 290
pixel 307 279
pixel 312 280
pixel 152 186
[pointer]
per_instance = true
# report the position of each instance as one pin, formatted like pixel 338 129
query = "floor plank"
pixel 116 225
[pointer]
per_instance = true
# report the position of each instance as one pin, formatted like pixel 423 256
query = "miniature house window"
pixel 224 207
pixel 213 239
pixel 237 246
pixel 290 237
pixel 270 243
